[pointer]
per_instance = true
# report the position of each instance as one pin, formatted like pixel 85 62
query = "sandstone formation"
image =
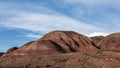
pixel 57 42
pixel 70 41
pixel 26 45
pixel 111 42
pixel 65 49
pixel 97 40
pixel 12 49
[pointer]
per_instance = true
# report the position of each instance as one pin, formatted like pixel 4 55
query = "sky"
pixel 22 21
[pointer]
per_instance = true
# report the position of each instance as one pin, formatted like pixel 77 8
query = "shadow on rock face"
pixel 56 42
pixel 97 40
pixel 111 42
pixel 1 53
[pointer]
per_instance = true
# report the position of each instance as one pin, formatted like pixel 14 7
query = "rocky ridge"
pixel 56 42
pixel 65 49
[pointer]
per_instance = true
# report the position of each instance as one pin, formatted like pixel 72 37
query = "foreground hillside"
pixel 100 59
pixel 65 49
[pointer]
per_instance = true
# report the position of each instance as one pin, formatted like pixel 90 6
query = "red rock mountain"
pixel 65 49
pixel 97 40
pixel 111 42
pixel 56 42
pixel 11 49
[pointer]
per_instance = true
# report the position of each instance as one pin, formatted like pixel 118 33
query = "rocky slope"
pixel 100 59
pixel 65 49
pixel 111 42
pixel 97 40
pixel 56 42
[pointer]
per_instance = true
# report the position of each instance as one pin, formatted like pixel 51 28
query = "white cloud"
pixel 45 21
pixel 34 36
pixel 99 12
pixel 97 34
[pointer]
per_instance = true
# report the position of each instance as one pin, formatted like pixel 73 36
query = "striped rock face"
pixel 111 42
pixel 97 40
pixel 56 42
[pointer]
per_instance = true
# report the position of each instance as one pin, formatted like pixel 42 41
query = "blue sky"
pixel 27 20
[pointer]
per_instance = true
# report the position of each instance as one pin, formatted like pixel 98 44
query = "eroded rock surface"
pixel 65 49
pixel 97 40
pixel 111 42
pixel 57 42
pixel 64 60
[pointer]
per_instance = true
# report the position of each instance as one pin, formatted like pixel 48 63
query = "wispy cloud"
pixel 97 34
pixel 98 12
pixel 34 36
pixel 45 22
pixel 38 18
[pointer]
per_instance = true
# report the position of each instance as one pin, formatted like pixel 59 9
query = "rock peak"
pixel 57 42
